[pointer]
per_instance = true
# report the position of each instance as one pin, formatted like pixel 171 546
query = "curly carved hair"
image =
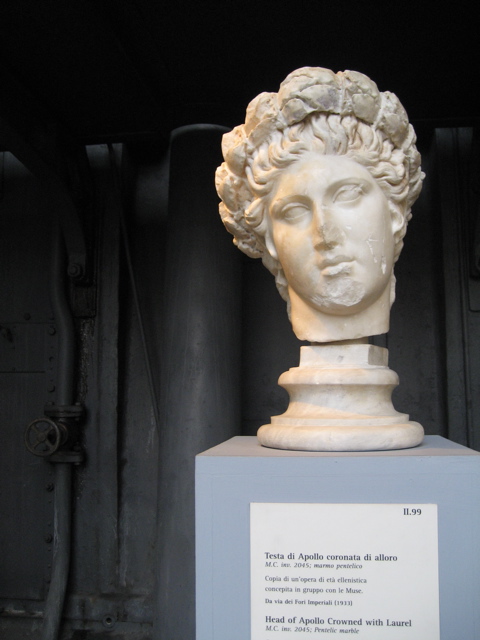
pixel 331 114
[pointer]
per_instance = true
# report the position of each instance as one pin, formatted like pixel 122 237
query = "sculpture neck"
pixel 315 326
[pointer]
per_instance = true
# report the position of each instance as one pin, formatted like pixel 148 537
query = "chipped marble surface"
pixel 340 400
pixel 319 182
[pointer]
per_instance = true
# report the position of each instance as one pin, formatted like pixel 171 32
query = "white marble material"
pixel 340 400
pixel 331 230
pixel 319 183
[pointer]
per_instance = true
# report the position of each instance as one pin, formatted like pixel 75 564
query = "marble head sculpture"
pixel 319 182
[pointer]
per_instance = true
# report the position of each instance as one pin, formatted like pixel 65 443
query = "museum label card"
pixel 368 571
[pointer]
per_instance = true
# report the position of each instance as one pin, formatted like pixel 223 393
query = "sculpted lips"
pixel 336 265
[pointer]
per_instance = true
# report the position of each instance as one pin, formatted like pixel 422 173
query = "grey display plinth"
pixel 231 476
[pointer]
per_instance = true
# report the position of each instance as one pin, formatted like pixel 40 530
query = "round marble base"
pixel 341 438
pixel 341 400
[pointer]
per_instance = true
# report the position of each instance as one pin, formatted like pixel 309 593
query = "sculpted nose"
pixel 327 233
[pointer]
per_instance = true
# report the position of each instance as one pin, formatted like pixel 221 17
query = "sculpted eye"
pixel 348 193
pixel 293 212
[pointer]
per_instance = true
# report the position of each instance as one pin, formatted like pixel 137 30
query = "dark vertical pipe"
pixel 63 320
pixel 63 471
pixel 200 363
pixel 61 551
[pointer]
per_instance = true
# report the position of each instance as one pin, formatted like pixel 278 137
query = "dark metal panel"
pixel 458 161
pixel 25 501
pixel 24 347
pixel 24 246
pixel 95 558
pixel 473 248
pixel 200 362
pixel 16 628
pixel 27 132
pixel 27 343
pixel 145 193
pixel 138 452
pixel 113 554
pixel 451 151
pixel 467 157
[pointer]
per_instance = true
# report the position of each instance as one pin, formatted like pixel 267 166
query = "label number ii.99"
pixel 412 512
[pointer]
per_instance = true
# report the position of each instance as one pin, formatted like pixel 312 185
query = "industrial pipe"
pixel 63 470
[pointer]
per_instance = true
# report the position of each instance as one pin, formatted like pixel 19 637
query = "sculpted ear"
pixel 271 246
pixel 398 217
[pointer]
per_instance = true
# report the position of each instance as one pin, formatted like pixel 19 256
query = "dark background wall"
pixel 179 338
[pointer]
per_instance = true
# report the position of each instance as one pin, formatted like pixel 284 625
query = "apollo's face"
pixel 331 230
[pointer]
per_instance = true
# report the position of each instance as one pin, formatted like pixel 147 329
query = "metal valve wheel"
pixel 44 436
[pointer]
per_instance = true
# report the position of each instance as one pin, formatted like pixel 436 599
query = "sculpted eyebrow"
pixel 351 181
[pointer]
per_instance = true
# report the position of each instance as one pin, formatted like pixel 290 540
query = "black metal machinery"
pixel 55 436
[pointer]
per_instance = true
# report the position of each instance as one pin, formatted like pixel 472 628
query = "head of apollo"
pixel 319 182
